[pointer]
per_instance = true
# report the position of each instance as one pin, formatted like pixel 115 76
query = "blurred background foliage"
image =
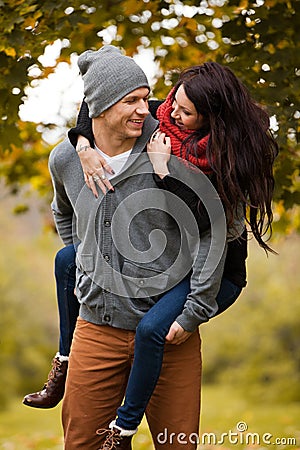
pixel 257 345
pixel 251 353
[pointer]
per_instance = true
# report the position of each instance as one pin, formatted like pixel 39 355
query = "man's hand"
pixel 177 335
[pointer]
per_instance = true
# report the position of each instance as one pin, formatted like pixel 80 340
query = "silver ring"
pixel 103 177
pixel 96 178
pixel 155 135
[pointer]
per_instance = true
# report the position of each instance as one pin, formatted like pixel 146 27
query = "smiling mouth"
pixel 138 123
pixel 179 124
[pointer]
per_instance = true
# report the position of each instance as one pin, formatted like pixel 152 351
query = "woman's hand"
pixel 93 166
pixel 159 151
pixel 177 335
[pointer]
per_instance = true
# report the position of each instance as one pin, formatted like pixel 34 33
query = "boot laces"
pixel 56 366
pixel 112 440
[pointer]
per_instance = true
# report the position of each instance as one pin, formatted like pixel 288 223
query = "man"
pixel 123 265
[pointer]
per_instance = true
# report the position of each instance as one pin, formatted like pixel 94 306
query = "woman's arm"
pixel 93 165
pixel 83 127
pixel 159 152
pixel 201 304
pixel 82 139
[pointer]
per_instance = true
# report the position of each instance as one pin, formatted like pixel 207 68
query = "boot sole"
pixel 32 405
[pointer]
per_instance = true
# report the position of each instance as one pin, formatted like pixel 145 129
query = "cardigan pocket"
pixel 144 281
pixel 85 262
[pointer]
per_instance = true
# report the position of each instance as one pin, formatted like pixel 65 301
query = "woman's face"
pixel 184 112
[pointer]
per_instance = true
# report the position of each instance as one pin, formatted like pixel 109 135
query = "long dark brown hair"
pixel 241 149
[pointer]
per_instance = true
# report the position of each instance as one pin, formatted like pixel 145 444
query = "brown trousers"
pixel 99 365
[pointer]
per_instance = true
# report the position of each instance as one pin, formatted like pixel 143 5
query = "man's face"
pixel 125 119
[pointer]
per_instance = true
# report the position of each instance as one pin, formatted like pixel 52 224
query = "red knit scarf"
pixel 177 136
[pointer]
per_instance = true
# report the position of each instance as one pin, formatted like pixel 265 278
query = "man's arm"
pixel 61 207
pixel 201 304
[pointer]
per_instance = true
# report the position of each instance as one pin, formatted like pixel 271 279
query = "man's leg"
pixel 99 365
pixel 173 412
pixel 68 307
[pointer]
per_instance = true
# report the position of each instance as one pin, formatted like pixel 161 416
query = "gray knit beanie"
pixel 108 76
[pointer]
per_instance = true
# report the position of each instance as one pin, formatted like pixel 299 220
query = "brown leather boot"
pixel 53 390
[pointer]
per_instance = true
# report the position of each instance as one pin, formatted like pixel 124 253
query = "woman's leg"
pixel 53 390
pixel 148 354
pixel 173 412
pixel 149 348
pixel 68 306
pixel 227 294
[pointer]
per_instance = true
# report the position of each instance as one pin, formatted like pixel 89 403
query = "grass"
pixel 223 408
pixel 23 428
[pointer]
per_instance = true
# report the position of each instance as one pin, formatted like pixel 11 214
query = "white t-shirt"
pixel 115 162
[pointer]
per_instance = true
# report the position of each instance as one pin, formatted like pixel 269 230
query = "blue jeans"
pixel 68 306
pixel 227 295
pixel 149 338
pixel 149 348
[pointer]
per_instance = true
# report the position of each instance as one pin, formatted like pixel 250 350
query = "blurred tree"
pixel 257 39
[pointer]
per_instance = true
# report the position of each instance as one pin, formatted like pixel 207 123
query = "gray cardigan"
pixel 130 248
